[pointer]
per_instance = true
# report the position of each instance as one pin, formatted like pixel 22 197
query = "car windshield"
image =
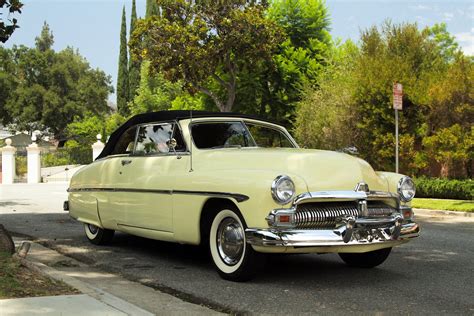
pixel 212 135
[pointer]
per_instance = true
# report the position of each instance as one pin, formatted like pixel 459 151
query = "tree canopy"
pixel 45 89
pixel 356 94
pixel 8 25
pixel 200 42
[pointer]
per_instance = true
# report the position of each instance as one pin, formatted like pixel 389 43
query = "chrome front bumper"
pixel 353 232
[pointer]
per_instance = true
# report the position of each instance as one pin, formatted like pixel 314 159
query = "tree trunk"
pixel 444 172
pixel 6 242
pixel 230 99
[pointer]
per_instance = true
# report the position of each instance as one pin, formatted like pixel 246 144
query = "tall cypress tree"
pixel 134 64
pixel 151 8
pixel 46 39
pixel 122 78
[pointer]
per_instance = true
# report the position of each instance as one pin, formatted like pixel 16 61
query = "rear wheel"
pixel 97 235
pixel 232 257
pixel 367 259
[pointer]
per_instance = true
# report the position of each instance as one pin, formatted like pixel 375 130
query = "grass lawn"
pixel 449 205
pixel 18 281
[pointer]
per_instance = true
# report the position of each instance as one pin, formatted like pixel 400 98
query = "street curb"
pixel 427 212
pixel 116 294
pixel 85 288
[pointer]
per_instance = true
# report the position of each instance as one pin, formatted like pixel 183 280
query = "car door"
pixel 144 199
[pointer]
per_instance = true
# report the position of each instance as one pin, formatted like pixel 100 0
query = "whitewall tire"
pixel 97 235
pixel 233 258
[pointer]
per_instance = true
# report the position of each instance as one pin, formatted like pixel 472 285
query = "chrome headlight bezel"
pixel 402 186
pixel 277 188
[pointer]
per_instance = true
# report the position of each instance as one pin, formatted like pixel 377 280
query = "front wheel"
pixel 232 257
pixel 97 235
pixel 366 259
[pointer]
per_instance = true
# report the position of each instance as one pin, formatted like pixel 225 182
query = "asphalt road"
pixel 433 274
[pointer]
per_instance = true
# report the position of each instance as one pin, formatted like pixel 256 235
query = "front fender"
pixel 392 179
pixel 253 183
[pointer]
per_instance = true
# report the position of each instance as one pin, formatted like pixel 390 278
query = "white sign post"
pixel 397 106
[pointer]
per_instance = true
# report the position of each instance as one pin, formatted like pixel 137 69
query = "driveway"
pixel 432 274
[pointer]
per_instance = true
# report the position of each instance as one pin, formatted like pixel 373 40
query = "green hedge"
pixel 67 156
pixel 444 188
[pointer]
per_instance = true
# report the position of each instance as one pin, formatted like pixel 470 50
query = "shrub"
pixel 21 166
pixel 445 188
pixel 57 158
pixel 78 153
pixel 69 155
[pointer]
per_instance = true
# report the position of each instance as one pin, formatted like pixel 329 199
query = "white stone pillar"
pixel 8 162
pixel 97 147
pixel 34 162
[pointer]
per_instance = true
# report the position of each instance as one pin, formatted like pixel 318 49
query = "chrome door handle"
pixel 126 162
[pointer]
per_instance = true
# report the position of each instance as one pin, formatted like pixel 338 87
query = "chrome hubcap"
pixel 230 241
pixel 93 229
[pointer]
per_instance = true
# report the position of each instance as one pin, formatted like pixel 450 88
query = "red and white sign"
pixel 397 96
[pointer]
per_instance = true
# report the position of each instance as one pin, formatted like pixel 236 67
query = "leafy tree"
pixel 84 130
pixel 123 92
pixel 155 93
pixel 324 115
pixel 354 93
pixel 273 88
pixel 47 89
pixel 397 53
pixel 304 21
pixel 7 80
pixel 8 26
pixel 451 96
pixel 45 40
pixel 134 64
pixel 447 46
pixel 448 145
pixel 206 42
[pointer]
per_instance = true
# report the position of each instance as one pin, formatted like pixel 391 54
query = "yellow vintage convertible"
pixel 243 187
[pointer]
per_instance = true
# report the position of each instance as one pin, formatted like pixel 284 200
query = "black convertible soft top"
pixel 165 116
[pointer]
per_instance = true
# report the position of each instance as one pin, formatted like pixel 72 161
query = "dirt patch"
pixel 18 281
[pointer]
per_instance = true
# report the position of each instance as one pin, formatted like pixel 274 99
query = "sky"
pixel 93 26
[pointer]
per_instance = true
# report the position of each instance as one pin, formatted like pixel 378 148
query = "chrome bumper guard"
pixel 352 231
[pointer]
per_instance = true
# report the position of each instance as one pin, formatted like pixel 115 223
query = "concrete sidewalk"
pixel 102 293
pixel 57 305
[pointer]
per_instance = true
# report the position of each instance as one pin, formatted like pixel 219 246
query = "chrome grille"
pixel 324 215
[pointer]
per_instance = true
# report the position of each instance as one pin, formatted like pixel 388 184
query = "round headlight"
pixel 283 189
pixel 406 189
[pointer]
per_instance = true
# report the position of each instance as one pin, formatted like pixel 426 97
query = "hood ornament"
pixel 362 187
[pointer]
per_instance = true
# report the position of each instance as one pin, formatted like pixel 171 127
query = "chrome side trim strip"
pixel 238 197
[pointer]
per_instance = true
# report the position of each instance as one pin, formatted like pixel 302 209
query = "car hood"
pixel 321 170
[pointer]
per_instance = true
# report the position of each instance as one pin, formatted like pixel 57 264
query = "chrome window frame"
pixel 282 131
pixel 243 121
pixel 170 153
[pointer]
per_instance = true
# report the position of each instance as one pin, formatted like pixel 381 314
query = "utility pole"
pixel 397 106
